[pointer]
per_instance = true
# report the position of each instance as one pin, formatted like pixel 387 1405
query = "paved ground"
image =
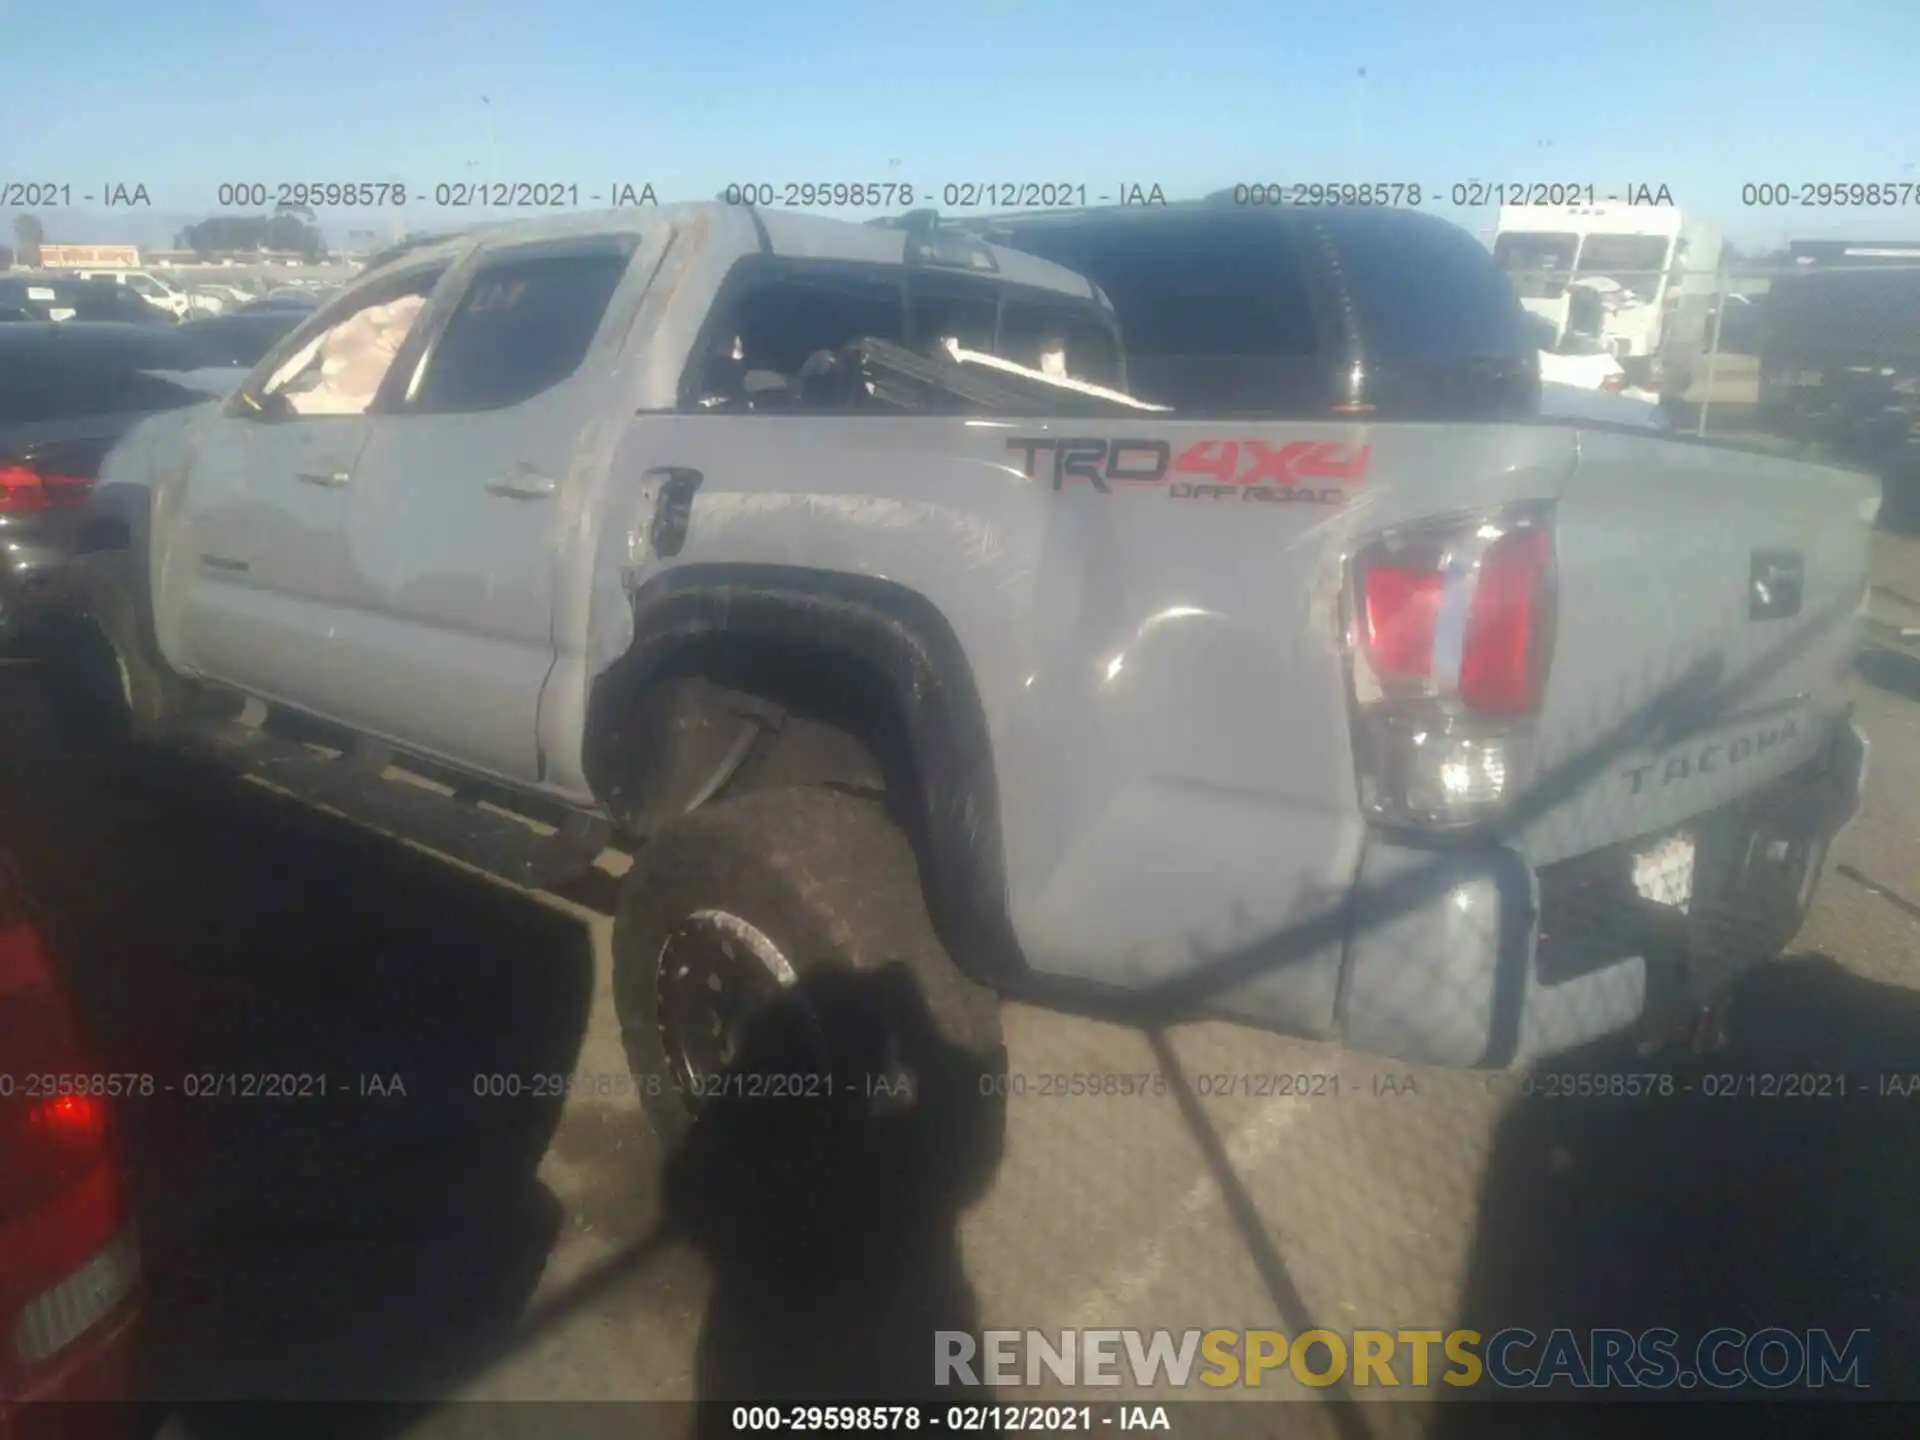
pixel 441 1241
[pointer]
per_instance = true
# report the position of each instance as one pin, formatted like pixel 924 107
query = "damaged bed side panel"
pixel 1156 655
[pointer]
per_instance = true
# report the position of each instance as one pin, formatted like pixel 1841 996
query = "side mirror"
pixel 246 405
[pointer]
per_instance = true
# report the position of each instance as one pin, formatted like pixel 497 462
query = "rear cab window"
pixel 781 325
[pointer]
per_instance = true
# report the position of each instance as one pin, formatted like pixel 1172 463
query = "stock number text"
pixel 1875 194
pixel 345 194
pixel 851 194
pixel 1385 193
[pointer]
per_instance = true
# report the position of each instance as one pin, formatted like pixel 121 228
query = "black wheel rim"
pixel 716 977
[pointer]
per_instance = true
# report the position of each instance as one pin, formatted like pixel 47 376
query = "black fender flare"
pixel 897 636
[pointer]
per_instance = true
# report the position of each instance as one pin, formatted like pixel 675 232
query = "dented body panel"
pixel 1145 613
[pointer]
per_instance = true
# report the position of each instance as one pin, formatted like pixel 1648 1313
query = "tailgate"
pixel 1707 612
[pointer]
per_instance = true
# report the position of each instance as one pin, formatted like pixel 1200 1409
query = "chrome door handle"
pixel 523 487
pixel 333 479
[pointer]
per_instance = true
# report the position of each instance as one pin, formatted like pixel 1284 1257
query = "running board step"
pixel 354 785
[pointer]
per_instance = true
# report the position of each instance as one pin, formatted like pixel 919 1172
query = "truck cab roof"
pixel 782 234
pixel 1305 311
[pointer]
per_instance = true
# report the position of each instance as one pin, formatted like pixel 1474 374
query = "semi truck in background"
pixel 1635 281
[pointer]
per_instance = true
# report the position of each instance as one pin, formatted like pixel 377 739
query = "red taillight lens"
pixel 1499 670
pixel 1402 608
pixel 23 489
pixel 1452 631
pixel 1614 384
pixel 52 1133
pixel 69 1263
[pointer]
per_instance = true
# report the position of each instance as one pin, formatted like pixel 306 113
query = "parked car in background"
pixel 70 1292
pixel 1840 360
pixel 101 300
pixel 242 337
pixel 68 391
pixel 221 299
pixel 159 293
pixel 64 297
pixel 38 297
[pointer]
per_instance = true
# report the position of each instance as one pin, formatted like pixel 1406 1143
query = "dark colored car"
pixel 242 338
pixel 70 1289
pixel 59 297
pixel 292 302
pixel 1298 313
pixel 68 390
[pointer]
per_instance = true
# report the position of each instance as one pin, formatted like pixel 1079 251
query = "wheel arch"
pixel 806 656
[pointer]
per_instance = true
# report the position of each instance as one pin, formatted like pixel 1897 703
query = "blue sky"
pixel 1699 95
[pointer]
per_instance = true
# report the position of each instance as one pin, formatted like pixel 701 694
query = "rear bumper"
pixel 31 555
pixel 92 1391
pixel 1478 959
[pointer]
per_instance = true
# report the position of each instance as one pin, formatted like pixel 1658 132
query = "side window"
pixel 522 327
pixel 337 361
pixel 782 318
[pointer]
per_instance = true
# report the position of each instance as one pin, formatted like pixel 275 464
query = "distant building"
pixel 89 257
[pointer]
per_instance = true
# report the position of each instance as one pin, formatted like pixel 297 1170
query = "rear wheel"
pixel 770 911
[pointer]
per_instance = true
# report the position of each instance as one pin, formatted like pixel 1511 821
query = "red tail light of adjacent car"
pixel 69 1259
pixel 24 489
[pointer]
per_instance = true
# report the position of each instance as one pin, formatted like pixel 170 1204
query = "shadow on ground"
pixel 1697 1212
pixel 831 1223
pixel 1894 671
pixel 351 1244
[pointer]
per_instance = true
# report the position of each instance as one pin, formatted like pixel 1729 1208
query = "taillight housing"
pixel 69 1255
pixel 23 488
pixel 1615 383
pixel 52 475
pixel 1450 636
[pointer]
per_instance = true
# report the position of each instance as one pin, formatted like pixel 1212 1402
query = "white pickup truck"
pixel 1392 713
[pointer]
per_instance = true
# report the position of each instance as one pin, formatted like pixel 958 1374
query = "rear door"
pixel 255 576
pixel 483 453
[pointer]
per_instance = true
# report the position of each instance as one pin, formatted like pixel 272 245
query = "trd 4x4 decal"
pixel 1204 470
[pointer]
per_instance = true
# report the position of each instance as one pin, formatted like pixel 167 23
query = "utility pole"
pixel 1356 164
pixel 493 147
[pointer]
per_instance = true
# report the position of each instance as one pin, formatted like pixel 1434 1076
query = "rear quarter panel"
pixel 1161 670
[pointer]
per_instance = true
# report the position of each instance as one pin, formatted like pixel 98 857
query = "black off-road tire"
pixel 824 874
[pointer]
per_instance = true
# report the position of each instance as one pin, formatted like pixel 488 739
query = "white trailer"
pixel 1641 280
